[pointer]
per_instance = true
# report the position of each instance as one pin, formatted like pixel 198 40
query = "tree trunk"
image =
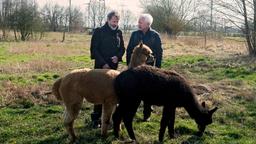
pixel 254 23
pixel 254 30
pixel 64 31
pixel 22 33
pixel 63 36
pixel 41 35
pixel 247 30
pixel 15 34
pixel 205 39
pixel 4 33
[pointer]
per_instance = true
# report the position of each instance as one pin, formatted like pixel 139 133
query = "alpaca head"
pixel 205 119
pixel 142 54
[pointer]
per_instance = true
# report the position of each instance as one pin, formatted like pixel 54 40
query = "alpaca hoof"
pixel 173 135
pixel 185 142
pixel 135 142
pixel 73 140
pixel 116 134
pixel 158 142
pixel 146 119
pixel 199 134
pixel 131 142
pixel 161 139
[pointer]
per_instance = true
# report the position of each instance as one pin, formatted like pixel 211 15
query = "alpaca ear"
pixel 203 104
pixel 213 110
pixel 141 44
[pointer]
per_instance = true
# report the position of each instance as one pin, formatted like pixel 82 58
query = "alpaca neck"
pixel 134 61
pixel 132 65
pixel 194 109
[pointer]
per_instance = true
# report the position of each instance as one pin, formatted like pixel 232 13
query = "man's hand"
pixel 106 66
pixel 114 59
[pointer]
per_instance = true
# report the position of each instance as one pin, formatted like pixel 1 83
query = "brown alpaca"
pixel 96 86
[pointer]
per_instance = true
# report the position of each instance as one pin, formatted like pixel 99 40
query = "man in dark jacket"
pixel 107 48
pixel 150 38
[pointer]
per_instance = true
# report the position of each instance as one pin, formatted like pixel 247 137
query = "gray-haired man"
pixel 150 38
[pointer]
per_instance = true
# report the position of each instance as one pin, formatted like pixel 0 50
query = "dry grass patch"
pixel 49 49
pixel 28 95
pixel 235 90
pixel 40 65
pixel 195 46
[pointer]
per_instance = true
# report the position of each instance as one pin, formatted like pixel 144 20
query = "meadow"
pixel 221 72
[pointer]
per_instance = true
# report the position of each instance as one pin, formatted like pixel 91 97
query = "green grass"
pixel 3 46
pixel 29 119
pixel 30 125
pixel 43 124
pixel 79 60
pixel 45 76
pixel 213 69
pixel 236 73
pixel 7 58
pixel 185 60
pixel 30 78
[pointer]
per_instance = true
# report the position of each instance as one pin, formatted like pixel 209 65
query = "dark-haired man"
pixel 107 48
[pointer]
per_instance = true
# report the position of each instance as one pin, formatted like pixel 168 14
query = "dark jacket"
pixel 151 39
pixel 106 43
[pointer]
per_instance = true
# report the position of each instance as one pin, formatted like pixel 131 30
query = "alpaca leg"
pixel 146 111
pixel 107 109
pixel 96 116
pixel 164 122
pixel 171 123
pixel 128 118
pixel 117 118
pixel 70 115
pixel 68 123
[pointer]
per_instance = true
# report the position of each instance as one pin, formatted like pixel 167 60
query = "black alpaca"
pixel 156 87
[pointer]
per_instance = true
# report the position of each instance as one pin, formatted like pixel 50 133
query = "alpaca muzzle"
pixel 150 59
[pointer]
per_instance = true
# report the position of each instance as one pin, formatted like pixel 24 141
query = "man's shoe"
pixel 146 119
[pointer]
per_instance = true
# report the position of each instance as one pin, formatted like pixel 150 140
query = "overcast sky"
pixel 133 5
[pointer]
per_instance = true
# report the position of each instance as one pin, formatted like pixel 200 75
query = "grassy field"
pixel 221 73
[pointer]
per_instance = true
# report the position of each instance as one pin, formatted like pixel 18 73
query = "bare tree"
pixel 5 13
pixel 76 16
pixel 170 16
pixel 26 19
pixel 64 28
pixel 53 16
pixel 96 12
pixel 70 20
pixel 101 12
pixel 127 19
pixel 211 7
pixel 241 13
pixel 203 24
